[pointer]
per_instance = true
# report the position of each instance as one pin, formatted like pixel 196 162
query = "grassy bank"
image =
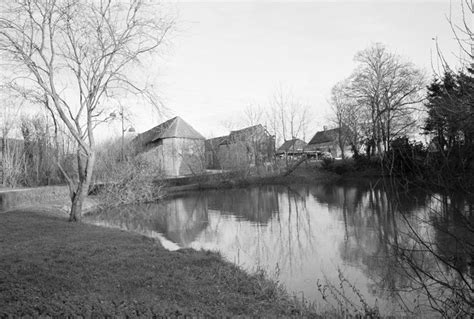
pixel 52 267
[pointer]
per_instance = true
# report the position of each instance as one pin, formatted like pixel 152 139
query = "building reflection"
pixel 256 204
pixel 180 220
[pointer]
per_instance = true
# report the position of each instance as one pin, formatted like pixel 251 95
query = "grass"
pixel 50 267
pixel 23 197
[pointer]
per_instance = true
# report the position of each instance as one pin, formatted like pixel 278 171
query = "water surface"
pixel 348 240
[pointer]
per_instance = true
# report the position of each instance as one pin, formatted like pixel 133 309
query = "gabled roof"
pixel 245 133
pixel 325 136
pixel 175 127
pixel 292 145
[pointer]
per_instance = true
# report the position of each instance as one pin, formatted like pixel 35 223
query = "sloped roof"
pixel 245 133
pixel 175 127
pixel 325 136
pixel 293 144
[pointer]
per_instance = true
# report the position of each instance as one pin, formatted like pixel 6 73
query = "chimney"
pixel 325 128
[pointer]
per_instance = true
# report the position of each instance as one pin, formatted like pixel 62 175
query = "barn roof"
pixel 175 127
pixel 292 144
pixel 325 136
pixel 245 133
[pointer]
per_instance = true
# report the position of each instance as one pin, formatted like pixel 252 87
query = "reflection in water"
pixel 179 220
pixel 376 235
pixel 253 204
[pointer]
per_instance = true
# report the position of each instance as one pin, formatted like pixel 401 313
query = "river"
pixel 350 247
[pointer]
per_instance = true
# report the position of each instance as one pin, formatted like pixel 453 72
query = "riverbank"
pixel 51 267
pixel 308 173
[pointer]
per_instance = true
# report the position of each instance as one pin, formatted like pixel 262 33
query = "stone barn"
pixel 251 146
pixel 175 147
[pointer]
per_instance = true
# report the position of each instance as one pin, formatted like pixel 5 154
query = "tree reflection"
pixel 414 246
pixel 280 232
pixel 439 257
pixel 409 246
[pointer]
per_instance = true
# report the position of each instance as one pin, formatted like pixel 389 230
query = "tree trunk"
pixel 76 205
pixel 77 201
pixel 85 168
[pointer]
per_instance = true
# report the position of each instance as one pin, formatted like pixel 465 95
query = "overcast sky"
pixel 226 55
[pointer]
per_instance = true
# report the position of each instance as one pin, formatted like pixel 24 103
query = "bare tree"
pixel 346 115
pixel 11 159
pixel 463 32
pixel 78 54
pixel 389 89
pixel 252 114
pixel 288 116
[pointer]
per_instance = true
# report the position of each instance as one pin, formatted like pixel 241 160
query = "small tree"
pixel 346 115
pixel 77 54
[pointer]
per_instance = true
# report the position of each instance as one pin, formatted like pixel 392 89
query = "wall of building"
pixel 244 154
pixel 177 156
pixel 188 155
pixel 235 156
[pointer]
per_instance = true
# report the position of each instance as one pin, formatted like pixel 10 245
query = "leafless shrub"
pixel 133 180
pixel 12 163
pixel 337 296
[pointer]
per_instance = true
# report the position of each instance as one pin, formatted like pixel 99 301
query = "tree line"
pixel 387 101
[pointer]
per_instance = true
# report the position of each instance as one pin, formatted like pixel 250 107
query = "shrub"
pixel 133 181
pixel 127 181
pixel 339 167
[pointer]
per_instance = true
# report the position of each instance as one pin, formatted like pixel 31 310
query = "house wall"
pixel 177 156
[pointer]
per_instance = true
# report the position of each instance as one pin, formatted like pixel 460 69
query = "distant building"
pixel 212 150
pixel 241 148
pixel 174 147
pixel 294 146
pixel 327 140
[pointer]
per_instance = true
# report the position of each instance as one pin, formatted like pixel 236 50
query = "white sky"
pixel 229 54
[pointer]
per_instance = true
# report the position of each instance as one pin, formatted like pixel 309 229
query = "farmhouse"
pixel 294 146
pixel 174 147
pixel 327 140
pixel 241 148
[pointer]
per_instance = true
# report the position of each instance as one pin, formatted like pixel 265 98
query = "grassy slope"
pixel 49 266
